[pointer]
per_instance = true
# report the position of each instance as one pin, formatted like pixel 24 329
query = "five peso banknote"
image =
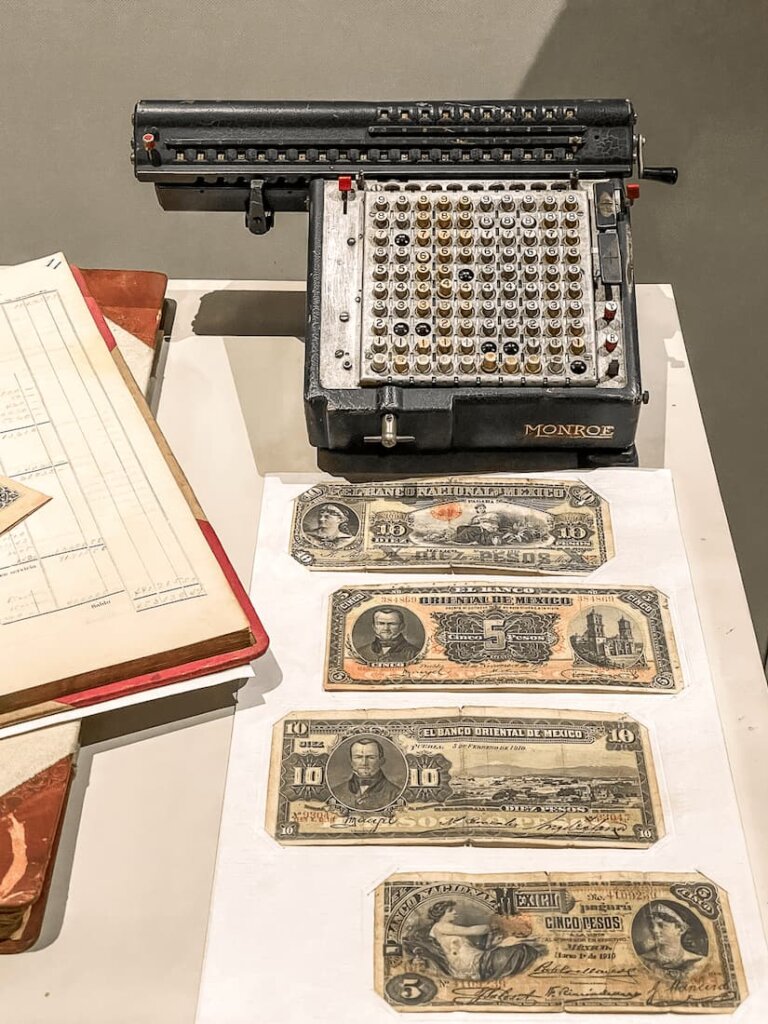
pixel 605 942
pixel 482 636
pixel 480 776
pixel 523 526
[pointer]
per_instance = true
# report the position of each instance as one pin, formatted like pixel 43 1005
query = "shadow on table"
pixel 380 465
pixel 108 731
pixel 135 725
pixel 238 313
pixel 263 331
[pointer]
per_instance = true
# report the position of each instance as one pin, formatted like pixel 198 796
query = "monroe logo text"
pixel 569 430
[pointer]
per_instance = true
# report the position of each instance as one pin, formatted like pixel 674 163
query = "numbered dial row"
pixel 529 202
pixel 506 294
pixel 407 230
pixel 488 363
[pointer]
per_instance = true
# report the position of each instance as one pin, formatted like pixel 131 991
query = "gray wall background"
pixel 71 70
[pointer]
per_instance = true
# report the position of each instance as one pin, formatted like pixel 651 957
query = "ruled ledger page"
pixel 114 567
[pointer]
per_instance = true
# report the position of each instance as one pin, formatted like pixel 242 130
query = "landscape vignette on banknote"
pixel 463 776
pixel 494 524
pixel 487 636
pixel 647 943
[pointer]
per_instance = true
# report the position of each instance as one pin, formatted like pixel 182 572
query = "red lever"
pixel 633 191
pixel 345 183
pixel 149 141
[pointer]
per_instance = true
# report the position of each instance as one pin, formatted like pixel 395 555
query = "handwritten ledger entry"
pixel 114 568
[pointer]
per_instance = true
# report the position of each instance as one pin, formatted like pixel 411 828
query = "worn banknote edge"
pixel 553 878
pixel 275 762
pixel 460 567
pixel 17 502
pixel 509 685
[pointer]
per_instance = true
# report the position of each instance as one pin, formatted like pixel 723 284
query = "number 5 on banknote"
pixel 453 636
pixel 578 942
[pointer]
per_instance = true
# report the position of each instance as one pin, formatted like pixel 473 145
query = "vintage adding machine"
pixel 470 263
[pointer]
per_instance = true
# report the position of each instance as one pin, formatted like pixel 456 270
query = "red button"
pixel 345 183
pixel 633 191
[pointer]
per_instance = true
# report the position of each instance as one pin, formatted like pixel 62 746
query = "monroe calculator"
pixel 470 281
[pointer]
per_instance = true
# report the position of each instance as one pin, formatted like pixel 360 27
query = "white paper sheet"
pixel 291 931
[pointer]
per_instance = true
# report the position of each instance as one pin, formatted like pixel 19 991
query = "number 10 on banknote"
pixel 472 776
pixel 502 525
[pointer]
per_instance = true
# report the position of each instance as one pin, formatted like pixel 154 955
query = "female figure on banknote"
pixel 330 525
pixel 472 951
pixel 493 529
pixel 667 941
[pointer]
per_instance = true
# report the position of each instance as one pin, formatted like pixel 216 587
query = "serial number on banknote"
pixel 652 943
pixel 500 637
pixel 509 525
pixel 463 776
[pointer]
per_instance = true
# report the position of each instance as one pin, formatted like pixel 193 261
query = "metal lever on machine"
pixel 389 436
pixel 259 218
pixel 667 175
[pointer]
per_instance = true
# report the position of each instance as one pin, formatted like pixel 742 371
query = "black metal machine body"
pixel 470 284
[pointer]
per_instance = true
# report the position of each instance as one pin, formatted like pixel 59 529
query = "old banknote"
pixel 568 942
pixel 17 501
pixel 524 526
pixel 480 636
pixel 463 776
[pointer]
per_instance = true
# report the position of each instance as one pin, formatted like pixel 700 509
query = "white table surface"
pixel 124 935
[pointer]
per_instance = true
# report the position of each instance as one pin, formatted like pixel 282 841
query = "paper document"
pixel 114 569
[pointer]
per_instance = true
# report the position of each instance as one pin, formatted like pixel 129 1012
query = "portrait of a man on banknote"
pixel 359 773
pixel 388 635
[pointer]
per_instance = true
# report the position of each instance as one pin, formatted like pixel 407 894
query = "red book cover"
pixel 35 776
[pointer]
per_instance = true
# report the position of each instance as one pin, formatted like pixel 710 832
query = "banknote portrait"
pixel 330 525
pixel 366 772
pixel 669 938
pixel 388 635
pixel 462 938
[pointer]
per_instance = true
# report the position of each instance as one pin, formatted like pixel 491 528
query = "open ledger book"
pixel 118 578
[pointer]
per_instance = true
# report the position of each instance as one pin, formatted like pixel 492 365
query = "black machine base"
pixel 372 464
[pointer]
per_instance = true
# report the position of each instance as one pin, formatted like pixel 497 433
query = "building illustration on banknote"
pixel 597 647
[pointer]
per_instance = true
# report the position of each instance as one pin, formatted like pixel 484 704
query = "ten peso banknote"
pixel 604 942
pixel 463 776
pixel 478 636
pixel 524 526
